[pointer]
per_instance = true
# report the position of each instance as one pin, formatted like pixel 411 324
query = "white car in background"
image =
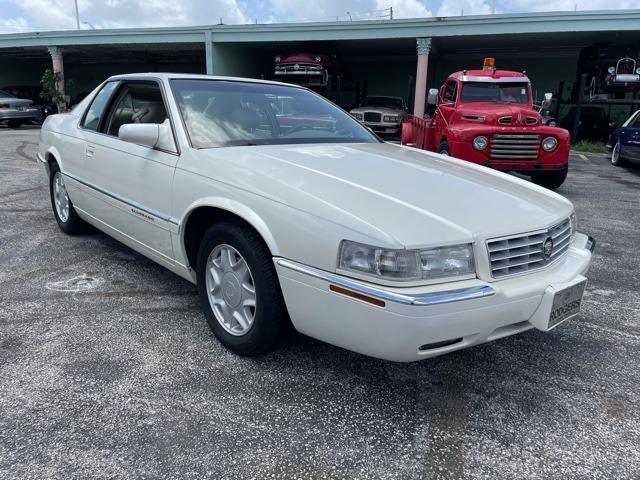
pixel 385 250
pixel 381 114
pixel 16 111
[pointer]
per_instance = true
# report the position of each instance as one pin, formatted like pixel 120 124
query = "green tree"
pixel 49 82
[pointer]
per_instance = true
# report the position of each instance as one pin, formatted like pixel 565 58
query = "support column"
pixel 424 47
pixel 58 69
pixel 208 51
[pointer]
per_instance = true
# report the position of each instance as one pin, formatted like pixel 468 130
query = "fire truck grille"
pixel 524 253
pixel 626 66
pixel 372 117
pixel 514 146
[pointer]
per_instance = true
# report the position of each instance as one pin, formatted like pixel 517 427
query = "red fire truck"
pixel 487 117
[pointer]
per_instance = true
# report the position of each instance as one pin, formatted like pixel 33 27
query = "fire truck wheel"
pixel 443 148
pixel 550 179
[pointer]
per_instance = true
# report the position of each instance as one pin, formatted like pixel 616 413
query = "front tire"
pixel 551 179
pixel 444 149
pixel 239 289
pixel 66 216
pixel 615 155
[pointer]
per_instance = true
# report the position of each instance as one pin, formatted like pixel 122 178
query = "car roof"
pixel 194 76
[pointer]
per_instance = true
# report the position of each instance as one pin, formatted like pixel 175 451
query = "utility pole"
pixel 77 15
pixel 391 13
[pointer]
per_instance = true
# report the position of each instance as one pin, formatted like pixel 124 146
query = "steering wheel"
pixel 299 127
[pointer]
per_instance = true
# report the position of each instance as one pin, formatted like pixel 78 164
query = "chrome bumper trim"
pixel 436 298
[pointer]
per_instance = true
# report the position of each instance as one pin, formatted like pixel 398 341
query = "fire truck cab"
pixel 487 117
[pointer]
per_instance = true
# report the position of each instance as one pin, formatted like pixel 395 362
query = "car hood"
pixel 493 112
pixel 391 193
pixel 382 110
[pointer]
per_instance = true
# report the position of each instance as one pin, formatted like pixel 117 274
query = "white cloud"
pixel 43 15
pixel 405 8
pixel 463 7
pixel 566 5
pixel 13 25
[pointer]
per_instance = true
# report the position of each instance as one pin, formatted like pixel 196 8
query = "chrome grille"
pixel 515 146
pixel 626 66
pixel 519 254
pixel 372 117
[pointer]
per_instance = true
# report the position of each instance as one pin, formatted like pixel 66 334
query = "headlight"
pixel 552 123
pixel 318 59
pixel 480 143
pixel 357 116
pixel 549 144
pixel 406 265
pixel 612 70
pixel 277 58
pixel 390 119
pixel 638 71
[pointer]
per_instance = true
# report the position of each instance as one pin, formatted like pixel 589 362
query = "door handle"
pixel 89 151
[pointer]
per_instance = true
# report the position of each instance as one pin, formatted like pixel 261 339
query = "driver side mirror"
pixel 546 103
pixel 152 135
pixel 432 97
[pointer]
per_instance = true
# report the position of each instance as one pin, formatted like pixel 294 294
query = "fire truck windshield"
pixel 511 92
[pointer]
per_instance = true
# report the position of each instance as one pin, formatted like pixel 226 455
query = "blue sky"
pixel 18 16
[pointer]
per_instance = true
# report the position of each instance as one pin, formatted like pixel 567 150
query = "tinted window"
pixel 96 111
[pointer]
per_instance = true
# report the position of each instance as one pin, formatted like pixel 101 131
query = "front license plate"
pixel 566 304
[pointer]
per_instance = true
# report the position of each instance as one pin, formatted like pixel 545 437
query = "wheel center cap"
pixel 231 289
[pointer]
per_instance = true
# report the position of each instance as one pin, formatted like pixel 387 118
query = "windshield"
pixel 220 113
pixel 6 94
pixel 384 102
pixel 516 92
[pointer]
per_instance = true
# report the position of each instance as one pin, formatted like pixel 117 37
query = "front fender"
pixel 239 210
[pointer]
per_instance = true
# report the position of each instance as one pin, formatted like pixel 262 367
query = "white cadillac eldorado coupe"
pixel 311 220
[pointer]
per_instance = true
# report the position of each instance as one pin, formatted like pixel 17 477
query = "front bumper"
pixel 409 324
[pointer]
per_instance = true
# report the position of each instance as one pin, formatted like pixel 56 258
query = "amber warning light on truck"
pixel 489 64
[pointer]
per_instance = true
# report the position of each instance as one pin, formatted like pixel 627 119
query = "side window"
pixel 97 109
pixel 136 103
pixel 636 122
pixel 450 92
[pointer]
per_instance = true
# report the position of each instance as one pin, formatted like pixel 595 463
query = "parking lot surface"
pixel 108 369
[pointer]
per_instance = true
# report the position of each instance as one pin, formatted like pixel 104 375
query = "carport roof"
pixel 540 34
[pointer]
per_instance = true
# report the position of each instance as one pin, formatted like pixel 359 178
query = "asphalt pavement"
pixel 108 369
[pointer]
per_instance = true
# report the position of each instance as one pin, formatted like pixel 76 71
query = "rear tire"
pixel 239 289
pixel 615 155
pixel 68 220
pixel 551 179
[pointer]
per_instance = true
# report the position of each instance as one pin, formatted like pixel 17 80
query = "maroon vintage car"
pixel 312 69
